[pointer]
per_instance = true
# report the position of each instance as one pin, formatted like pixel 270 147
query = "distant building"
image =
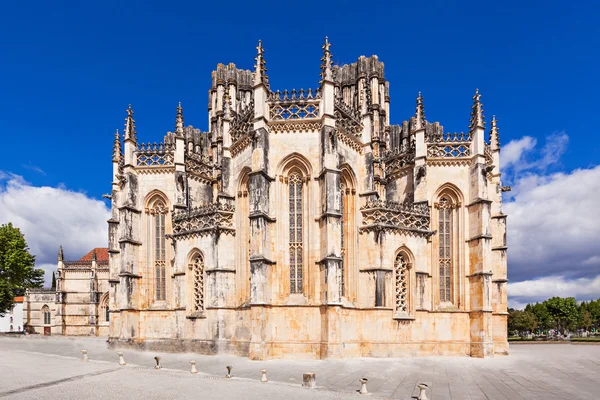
pixel 305 223
pixel 79 304
pixel 13 319
pixel 40 310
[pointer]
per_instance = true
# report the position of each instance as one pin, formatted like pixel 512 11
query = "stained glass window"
pixel 344 222
pixel 445 248
pixel 295 232
pixel 159 212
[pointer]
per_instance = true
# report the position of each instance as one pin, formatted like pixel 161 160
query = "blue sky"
pixel 68 70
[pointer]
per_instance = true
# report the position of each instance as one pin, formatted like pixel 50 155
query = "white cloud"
pixel 553 230
pixel 50 216
pixel 541 289
pixel 515 150
pixel 553 225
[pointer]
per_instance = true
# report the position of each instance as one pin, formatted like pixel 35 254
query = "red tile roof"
pixel 101 254
pixel 19 299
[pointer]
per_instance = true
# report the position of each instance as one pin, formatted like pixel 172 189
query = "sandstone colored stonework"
pixel 304 224
pixel 79 304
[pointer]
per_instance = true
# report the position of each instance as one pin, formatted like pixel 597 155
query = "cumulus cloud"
pixel 538 290
pixel 553 230
pixel 515 150
pixel 50 216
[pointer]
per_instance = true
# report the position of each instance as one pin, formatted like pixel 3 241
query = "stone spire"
pixel 476 112
pixel 179 121
pixel 61 254
pixel 117 148
pixel 260 71
pixel 420 113
pixel 494 135
pixel 326 63
pixel 94 255
pixel 130 132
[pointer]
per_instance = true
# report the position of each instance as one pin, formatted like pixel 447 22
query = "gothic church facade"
pixel 305 224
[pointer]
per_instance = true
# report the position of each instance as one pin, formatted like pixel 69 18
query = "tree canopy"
pixel 17 267
pixel 560 314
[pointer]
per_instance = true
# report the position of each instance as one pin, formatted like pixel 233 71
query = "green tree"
pixel 53 281
pixel 594 309
pixel 564 312
pixel 521 321
pixel 17 267
pixel 541 314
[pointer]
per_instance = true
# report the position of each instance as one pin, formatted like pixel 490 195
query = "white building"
pixel 12 321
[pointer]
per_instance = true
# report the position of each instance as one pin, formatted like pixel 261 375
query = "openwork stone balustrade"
pixel 154 154
pixel 208 218
pixel 379 215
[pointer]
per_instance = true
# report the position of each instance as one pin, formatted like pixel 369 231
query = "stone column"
pixel 479 242
pixel 330 220
pixel 259 186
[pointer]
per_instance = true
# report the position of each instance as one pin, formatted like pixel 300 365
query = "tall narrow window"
pixel 295 208
pixel 46 313
pixel 344 221
pixel 104 311
pixel 197 268
pixel 445 248
pixel 401 266
pixel 159 211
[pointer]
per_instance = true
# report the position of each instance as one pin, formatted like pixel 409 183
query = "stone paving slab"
pixel 565 371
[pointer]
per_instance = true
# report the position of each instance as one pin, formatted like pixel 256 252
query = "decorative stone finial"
pixel 420 113
pixel 130 132
pixel 326 63
pixel 260 71
pixel 94 255
pixel 477 120
pixel 494 134
pixel 61 254
pixel 117 147
pixel 179 121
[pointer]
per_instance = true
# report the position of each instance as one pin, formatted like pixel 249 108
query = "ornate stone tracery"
pixel 204 220
pixel 295 183
pixel 197 269
pixel 401 271
pixel 390 216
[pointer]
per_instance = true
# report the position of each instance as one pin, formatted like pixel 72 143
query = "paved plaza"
pixel 42 367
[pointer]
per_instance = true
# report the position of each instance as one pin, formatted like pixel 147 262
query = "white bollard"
pixel 194 370
pixel 229 368
pixel 422 394
pixel 85 356
pixel 309 380
pixel 363 386
pixel 263 377
pixel 121 359
pixel 157 366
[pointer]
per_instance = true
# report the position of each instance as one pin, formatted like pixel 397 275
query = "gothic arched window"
pixel 197 269
pixel 104 310
pixel 348 238
pixel 401 271
pixel 344 235
pixel 445 248
pixel 46 313
pixel 295 183
pixel 158 212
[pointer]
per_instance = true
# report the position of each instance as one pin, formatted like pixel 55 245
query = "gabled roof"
pixel 101 254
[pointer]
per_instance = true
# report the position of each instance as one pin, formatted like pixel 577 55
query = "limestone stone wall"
pixel 304 224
